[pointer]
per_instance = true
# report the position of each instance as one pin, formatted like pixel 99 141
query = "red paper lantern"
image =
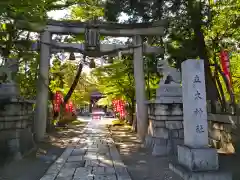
pixel 56 108
pixel 70 106
pixel 58 97
pixel 225 62
pixel 67 107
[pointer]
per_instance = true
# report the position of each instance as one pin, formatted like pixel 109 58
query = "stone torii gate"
pixel 92 34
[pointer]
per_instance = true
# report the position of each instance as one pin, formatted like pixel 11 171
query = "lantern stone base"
pixel 9 90
pixel 16 138
pixel 198 159
pixel 165 116
pixel 207 175
pixel 198 164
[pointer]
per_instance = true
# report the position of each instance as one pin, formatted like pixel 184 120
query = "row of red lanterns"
pixel 118 107
pixel 58 100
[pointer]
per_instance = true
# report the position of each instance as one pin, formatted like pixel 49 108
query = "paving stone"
pixel 109 170
pixel 103 170
pixel 122 173
pixel 82 172
pixel 98 170
pixel 63 178
pixel 96 152
pixel 105 163
pixel 90 155
pixel 66 172
pixel 55 168
pixel 90 177
pixel 74 164
pixel 103 147
pixel 77 152
pixel 92 162
pixel 75 158
pixel 105 177
pixel 48 177
pixel 92 149
pixel 64 156
pixel 93 146
pixel 105 159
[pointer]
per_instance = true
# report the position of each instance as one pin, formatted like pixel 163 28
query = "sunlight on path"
pixel 94 158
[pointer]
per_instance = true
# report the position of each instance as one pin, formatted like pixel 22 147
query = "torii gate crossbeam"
pixel 42 93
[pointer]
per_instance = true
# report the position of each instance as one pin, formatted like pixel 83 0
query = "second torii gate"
pixel 108 29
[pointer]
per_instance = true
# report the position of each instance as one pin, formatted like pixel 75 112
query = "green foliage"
pixel 87 11
pixel 62 77
pixel 197 29
pixel 27 76
pixel 116 80
pixel 235 69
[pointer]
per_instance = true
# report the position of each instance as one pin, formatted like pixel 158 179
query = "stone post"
pixel 195 160
pixel 40 120
pixel 140 89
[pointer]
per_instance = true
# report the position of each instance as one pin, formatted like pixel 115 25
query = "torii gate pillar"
pixel 141 109
pixel 41 114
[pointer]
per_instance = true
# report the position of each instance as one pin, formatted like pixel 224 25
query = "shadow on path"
pixel 143 166
pixel 34 165
pixel 139 161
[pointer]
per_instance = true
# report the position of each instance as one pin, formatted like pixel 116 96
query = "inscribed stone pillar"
pixel 42 87
pixel 196 161
pixel 140 89
pixel 194 104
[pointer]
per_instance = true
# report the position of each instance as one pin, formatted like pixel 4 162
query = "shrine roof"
pixel 96 94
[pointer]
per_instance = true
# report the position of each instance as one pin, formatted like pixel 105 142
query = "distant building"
pixel 95 96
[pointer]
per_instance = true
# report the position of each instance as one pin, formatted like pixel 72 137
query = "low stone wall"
pixel 165 130
pixel 224 132
pixel 16 118
pixel 220 136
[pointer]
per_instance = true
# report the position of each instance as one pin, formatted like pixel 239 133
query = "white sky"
pixel 60 14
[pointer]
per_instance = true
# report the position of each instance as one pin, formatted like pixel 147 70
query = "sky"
pixel 62 13
pixel 59 14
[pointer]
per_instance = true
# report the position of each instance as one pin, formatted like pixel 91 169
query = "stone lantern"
pixel 72 57
pixel 110 59
pixel 92 38
pixel 92 64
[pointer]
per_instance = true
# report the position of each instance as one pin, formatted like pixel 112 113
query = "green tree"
pixel 62 80
pixel 197 29
pixel 116 81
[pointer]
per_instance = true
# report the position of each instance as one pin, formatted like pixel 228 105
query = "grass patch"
pixel 76 122
pixel 118 122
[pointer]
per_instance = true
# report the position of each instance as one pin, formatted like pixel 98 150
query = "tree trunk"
pixel 131 111
pixel 74 84
pixel 69 94
pixel 222 98
pixel 195 13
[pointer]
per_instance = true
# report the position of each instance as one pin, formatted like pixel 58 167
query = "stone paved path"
pixel 94 158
